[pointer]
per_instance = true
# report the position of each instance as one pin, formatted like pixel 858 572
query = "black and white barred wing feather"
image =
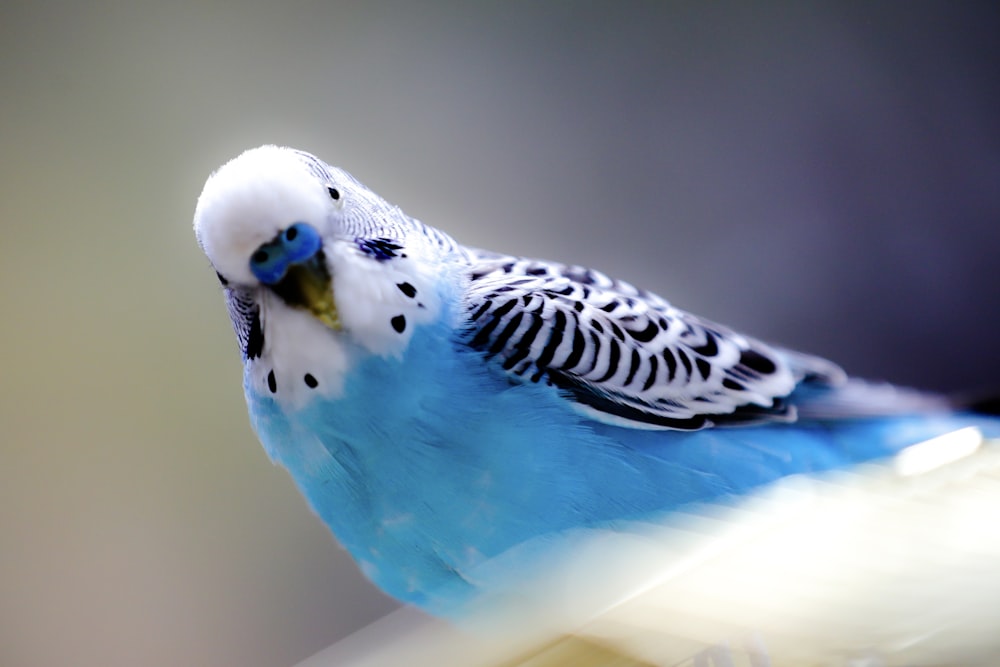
pixel 623 355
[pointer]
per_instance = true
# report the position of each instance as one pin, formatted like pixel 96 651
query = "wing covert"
pixel 623 355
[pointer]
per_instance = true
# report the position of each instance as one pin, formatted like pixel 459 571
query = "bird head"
pixel 311 258
pixel 262 219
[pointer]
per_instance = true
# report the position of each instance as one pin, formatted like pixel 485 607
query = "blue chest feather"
pixel 431 464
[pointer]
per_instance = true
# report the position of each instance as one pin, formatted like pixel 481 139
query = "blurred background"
pixel 826 176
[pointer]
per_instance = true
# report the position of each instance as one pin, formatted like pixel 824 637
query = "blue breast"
pixel 431 464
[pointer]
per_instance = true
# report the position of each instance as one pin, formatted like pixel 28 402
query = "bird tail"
pixel 980 403
pixel 854 399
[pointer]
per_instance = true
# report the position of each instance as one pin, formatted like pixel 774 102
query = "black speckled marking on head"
pixel 310 381
pixel 407 289
pixel 272 384
pixel 399 323
pixel 315 165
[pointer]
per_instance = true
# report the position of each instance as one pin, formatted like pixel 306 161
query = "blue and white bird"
pixel 441 406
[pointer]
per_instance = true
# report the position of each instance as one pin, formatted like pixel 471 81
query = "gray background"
pixel 822 175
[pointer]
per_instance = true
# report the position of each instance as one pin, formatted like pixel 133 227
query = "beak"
pixel 307 285
pixel 293 266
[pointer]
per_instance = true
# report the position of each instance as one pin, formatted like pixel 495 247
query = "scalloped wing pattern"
pixel 625 356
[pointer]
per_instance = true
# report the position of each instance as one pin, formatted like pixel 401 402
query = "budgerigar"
pixel 440 406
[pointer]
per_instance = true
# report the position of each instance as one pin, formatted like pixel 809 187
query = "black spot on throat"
pixel 399 323
pixel 407 289
pixel 272 384
pixel 255 338
pixel 310 381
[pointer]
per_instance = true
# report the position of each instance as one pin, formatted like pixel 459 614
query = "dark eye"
pixel 334 192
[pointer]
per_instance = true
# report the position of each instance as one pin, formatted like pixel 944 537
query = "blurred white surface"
pixel 871 567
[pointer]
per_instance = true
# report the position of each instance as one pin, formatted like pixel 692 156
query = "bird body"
pixel 441 406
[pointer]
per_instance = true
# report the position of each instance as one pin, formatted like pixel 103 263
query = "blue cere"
pixel 295 244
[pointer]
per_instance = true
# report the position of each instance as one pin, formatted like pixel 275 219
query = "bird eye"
pixel 334 193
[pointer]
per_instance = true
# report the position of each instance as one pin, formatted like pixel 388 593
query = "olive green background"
pixel 824 175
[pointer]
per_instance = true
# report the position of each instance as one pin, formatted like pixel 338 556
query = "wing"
pixel 625 356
